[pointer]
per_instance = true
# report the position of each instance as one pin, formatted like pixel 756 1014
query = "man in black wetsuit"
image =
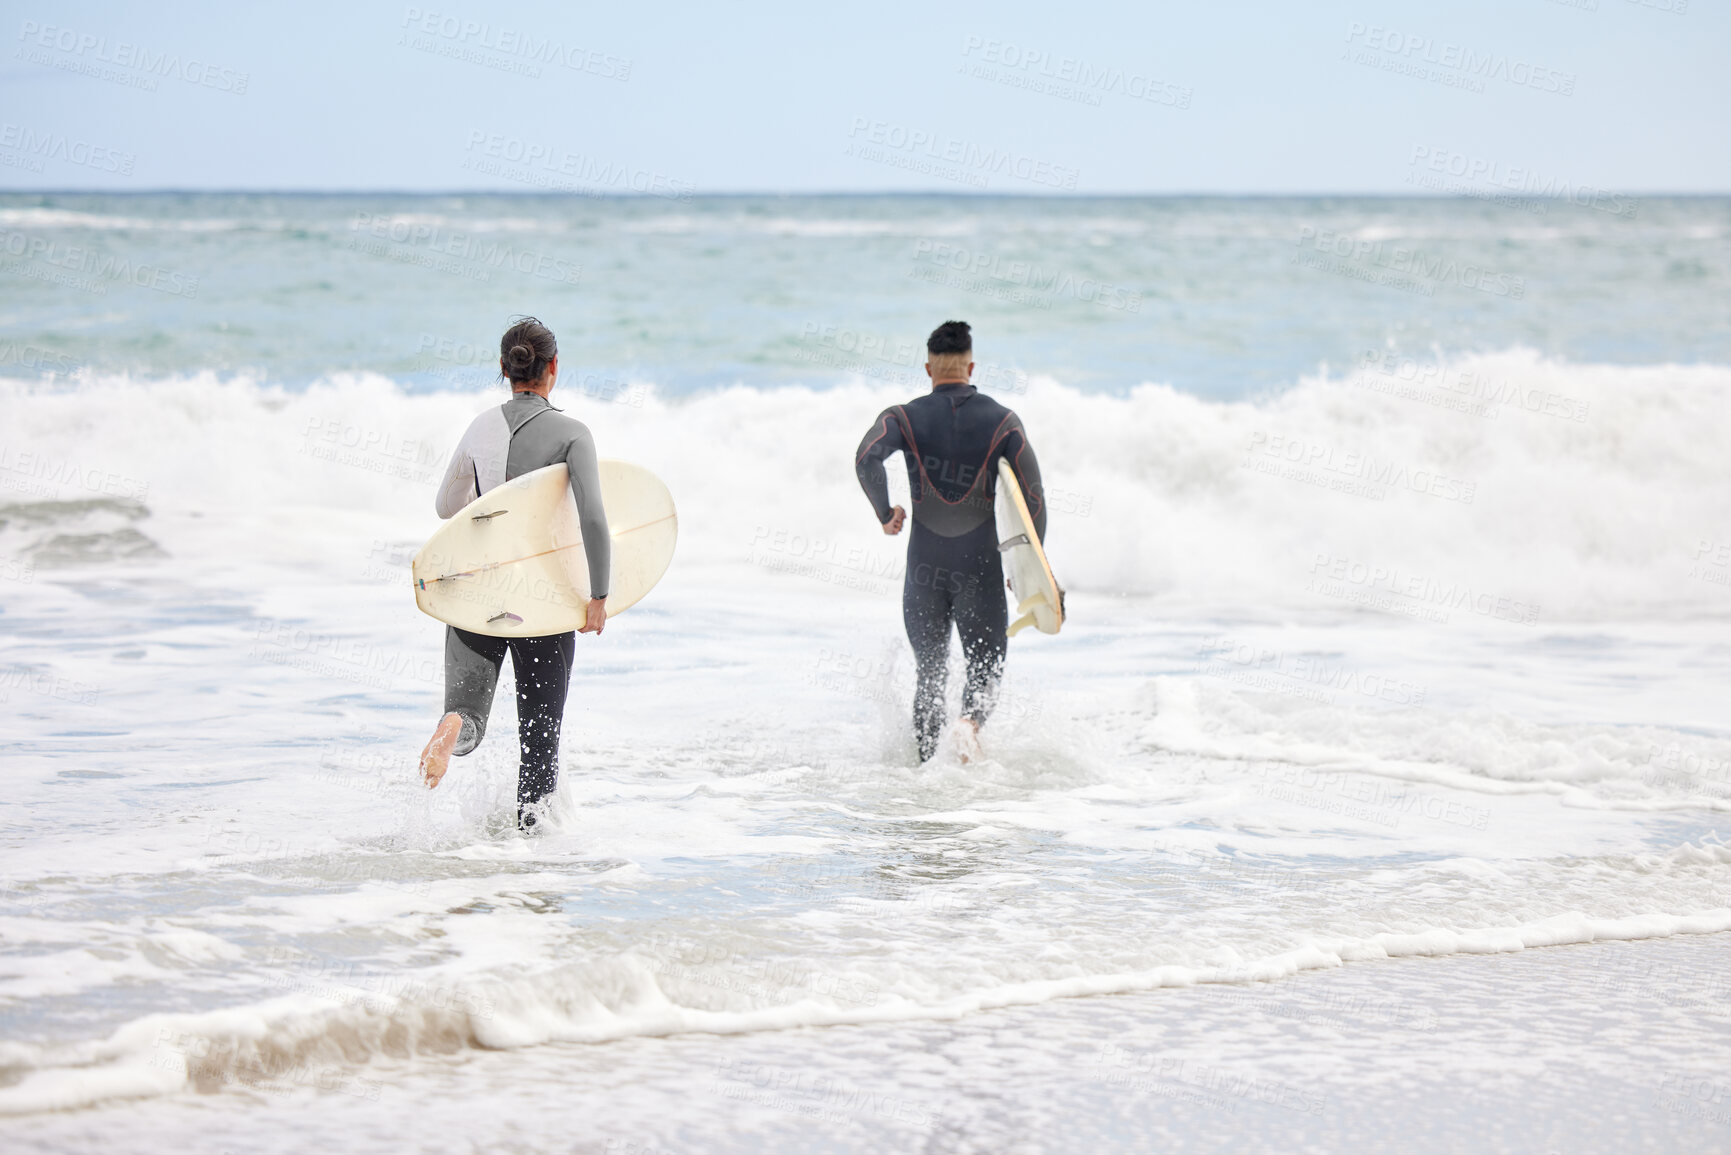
pixel 952 440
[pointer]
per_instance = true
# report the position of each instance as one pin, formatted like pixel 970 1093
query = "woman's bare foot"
pixel 436 758
pixel 968 740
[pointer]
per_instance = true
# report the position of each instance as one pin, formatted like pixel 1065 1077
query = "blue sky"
pixel 726 96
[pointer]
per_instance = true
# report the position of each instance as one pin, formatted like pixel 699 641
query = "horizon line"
pixel 1488 195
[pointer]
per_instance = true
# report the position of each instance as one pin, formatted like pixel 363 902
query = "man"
pixel 522 435
pixel 951 440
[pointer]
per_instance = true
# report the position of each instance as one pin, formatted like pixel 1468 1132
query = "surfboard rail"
pixel 1039 597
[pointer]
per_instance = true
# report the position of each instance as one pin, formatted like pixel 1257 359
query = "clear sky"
pixel 730 96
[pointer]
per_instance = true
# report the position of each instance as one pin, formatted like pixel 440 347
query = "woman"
pixel 524 434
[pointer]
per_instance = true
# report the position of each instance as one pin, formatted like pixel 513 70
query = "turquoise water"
pixel 1223 298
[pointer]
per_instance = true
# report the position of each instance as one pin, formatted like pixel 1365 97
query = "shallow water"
pixel 1597 1048
pixel 1313 707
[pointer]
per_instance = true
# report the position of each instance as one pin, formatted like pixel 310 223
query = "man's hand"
pixel 595 617
pixel 894 525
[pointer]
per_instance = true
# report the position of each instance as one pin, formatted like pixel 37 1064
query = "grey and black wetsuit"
pixel 522 435
pixel 952 439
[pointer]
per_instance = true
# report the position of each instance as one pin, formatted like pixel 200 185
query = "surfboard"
pixel 511 563
pixel 1039 599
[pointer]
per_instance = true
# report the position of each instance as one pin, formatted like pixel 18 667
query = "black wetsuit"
pixel 543 669
pixel 952 439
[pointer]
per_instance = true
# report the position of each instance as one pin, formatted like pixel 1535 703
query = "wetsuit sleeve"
pixel 1026 467
pixel 591 514
pixel 459 487
pixel 881 440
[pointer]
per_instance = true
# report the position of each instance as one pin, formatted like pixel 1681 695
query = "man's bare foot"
pixel 968 740
pixel 436 758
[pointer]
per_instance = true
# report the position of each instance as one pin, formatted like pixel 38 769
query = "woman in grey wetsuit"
pixel 524 434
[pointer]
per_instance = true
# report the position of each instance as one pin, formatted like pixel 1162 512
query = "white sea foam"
pixel 629 996
pixel 790 226
pixel 1564 491
pixel 50 218
pixel 1224 770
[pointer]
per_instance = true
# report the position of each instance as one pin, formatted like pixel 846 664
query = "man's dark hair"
pixel 525 349
pixel 950 337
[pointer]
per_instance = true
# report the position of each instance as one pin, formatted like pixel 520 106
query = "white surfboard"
pixel 1039 600
pixel 511 563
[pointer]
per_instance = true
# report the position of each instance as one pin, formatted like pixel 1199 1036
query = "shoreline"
pixel 1605 1046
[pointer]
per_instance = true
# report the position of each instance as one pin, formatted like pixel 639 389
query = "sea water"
pixel 1396 535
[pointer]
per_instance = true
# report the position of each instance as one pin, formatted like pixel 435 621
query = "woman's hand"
pixel 595 617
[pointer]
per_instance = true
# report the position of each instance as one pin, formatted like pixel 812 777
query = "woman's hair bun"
pixel 526 349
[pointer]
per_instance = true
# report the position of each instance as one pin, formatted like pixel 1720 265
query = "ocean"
pixel 1390 716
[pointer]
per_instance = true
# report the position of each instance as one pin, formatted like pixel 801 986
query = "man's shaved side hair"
pixel 949 349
